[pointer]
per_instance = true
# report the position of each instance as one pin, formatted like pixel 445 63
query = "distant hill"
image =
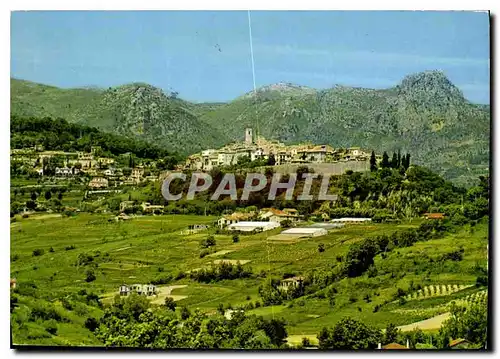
pixel 425 115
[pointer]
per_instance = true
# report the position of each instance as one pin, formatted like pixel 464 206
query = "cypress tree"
pixel 373 162
pixel 385 160
pixel 394 161
pixel 399 158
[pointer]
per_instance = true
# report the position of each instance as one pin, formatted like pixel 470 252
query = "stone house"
pixel 98 182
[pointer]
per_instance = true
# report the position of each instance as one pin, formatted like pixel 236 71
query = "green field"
pixel 148 247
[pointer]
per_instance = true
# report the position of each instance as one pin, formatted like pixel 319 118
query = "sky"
pixel 205 55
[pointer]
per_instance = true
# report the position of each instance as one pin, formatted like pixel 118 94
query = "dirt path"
pixel 428 324
pixel 164 292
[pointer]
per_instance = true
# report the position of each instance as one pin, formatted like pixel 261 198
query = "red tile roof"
pixel 394 346
pixel 434 215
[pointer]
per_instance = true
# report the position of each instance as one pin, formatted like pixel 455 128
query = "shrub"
pixel 164 279
pixel 90 276
pixel 51 250
pixel 69 248
pixel 482 280
pixel 321 248
pixel 236 238
pixel 38 252
pixel 91 324
pixel 51 327
pixel 170 304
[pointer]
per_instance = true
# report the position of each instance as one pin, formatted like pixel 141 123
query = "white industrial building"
pixel 253 226
pixel 305 232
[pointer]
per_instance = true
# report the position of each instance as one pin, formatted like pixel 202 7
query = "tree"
pixel 170 304
pixel 236 238
pixel 399 159
pixel 286 223
pixel 469 323
pixel 394 161
pixel 373 162
pixel 60 196
pixel 321 247
pixel 349 334
pixel 34 196
pixel 391 333
pixel 185 313
pixel 31 205
pixel 48 195
pixel 91 324
pixel 271 161
pixel 385 161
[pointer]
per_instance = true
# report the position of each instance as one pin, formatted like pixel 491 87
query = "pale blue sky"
pixel 205 56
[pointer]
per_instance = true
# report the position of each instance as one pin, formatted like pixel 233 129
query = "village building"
pixel 66 171
pixel 137 174
pixel 150 208
pixel 276 215
pixel 98 182
pixel 253 226
pixel 109 172
pixel 288 283
pixel 195 228
pixel 226 220
pixel 141 289
pixel 126 204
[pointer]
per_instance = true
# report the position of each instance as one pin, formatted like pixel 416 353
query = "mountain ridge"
pixel 425 114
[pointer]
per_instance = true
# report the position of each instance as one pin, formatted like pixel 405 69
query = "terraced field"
pixel 150 248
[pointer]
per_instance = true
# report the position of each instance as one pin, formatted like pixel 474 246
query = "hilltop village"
pixel 274 153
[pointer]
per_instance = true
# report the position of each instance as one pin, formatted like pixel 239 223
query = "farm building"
pixel 148 207
pixel 276 215
pixel 253 226
pixel 141 289
pixel 327 226
pixel 122 217
pixel 305 232
pixel 291 282
pixel 351 220
pixel 233 218
pixel 195 228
